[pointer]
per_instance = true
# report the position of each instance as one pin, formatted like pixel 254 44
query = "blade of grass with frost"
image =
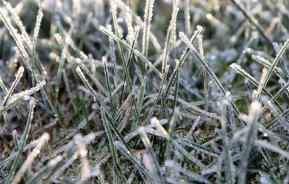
pixel 147 21
pixel 140 98
pixel 198 147
pixel 156 169
pixel 30 158
pixel 173 23
pixel 62 60
pixel 19 96
pixel 271 147
pixel 8 160
pixel 254 113
pixel 59 40
pixel 23 141
pixel 267 157
pixel 138 20
pixel 196 123
pixel 261 84
pixel 171 127
pixel 255 23
pixel 272 124
pixel 24 44
pixel 228 163
pixel 136 110
pixel 3 86
pixel 206 80
pixel 187 16
pixel 15 139
pixel 173 42
pixel 19 24
pixel 71 153
pixel 210 72
pixel 86 83
pixel 273 135
pixel 113 10
pixel 117 33
pixel 111 145
pixel 204 64
pixel 245 74
pixel 99 174
pixel 136 52
pixel 192 106
pixel 59 171
pixel 27 43
pixel 40 175
pixel 85 168
pixel 148 127
pixel 120 47
pixel 278 93
pixel 37 27
pixel 90 75
pixel 245 49
pixel 169 38
pixel 180 63
pixel 283 65
pixel 122 107
pixel 191 175
pixel 275 112
pixel 267 64
pixel 118 134
pixel 174 113
pixel 122 149
pixel 127 77
pixel 18 76
pixel 108 84
pixel 130 29
pixel 176 91
pixel 68 90
pixel 153 107
pixel 131 177
pixel 229 110
pixel 276 61
pixel 113 58
pixel 188 155
pixel 15 35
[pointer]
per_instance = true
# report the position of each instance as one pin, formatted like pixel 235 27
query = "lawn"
pixel 144 91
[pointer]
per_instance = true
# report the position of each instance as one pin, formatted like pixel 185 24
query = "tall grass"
pixel 133 91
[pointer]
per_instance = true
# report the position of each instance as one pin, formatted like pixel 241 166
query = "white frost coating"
pixel 78 61
pixel 53 162
pixel 147 19
pixel 20 70
pixel 147 161
pixel 18 76
pixel 229 95
pixel 155 122
pixel 141 130
pixel 81 75
pixel 236 66
pixel 26 98
pixel 37 25
pixel 255 108
pixel 31 157
pixel 26 93
pixel 169 163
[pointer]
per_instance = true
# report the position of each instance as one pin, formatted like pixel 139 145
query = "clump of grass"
pixel 175 92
